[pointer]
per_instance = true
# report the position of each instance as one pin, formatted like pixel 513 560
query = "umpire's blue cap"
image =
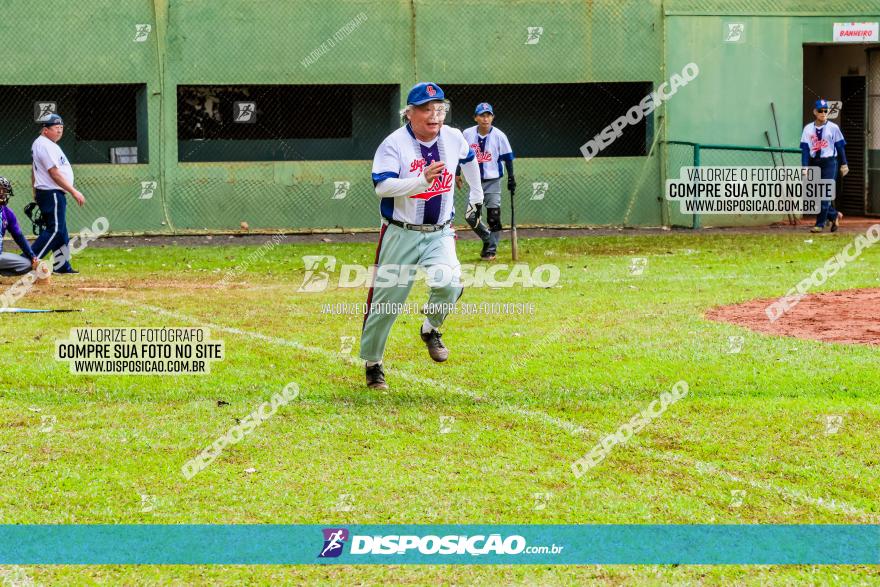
pixel 483 107
pixel 424 92
pixel 821 103
pixel 52 120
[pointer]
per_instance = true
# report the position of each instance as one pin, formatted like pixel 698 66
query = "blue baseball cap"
pixel 484 107
pixel 52 120
pixel 424 92
pixel 822 103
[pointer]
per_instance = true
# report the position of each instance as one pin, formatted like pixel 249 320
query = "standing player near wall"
pixel 52 176
pixel 491 147
pixel 411 174
pixel 821 145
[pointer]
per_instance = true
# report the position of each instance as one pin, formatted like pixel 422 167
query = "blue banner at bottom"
pixel 440 544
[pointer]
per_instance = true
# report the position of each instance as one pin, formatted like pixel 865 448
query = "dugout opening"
pixel 283 122
pixel 844 74
pixel 104 123
pixel 555 120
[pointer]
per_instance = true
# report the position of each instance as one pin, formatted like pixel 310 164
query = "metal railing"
pixel 700 149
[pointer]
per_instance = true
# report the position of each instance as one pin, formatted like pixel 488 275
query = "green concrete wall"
pixel 729 102
pixel 261 42
pixel 400 42
pixel 64 43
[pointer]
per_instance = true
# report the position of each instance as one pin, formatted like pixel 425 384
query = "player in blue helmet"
pixel 492 149
pixel 413 177
pixel 822 145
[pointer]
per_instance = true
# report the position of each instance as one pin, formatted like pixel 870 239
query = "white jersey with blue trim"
pixel 402 156
pixel 490 151
pixel 46 155
pixel 822 140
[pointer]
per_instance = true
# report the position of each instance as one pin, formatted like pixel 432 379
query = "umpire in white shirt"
pixel 52 178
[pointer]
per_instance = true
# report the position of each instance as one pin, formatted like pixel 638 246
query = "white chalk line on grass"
pixel 413 378
pixel 242 285
pixel 834 506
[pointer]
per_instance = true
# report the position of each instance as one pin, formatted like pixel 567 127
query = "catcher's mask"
pixel 5 191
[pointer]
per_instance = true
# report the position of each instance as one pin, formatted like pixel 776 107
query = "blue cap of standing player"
pixel 483 107
pixel 52 120
pixel 424 92
pixel 821 103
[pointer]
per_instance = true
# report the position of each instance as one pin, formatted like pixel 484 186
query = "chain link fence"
pixel 225 115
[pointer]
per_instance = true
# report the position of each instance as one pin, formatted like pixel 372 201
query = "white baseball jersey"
pixel 46 155
pixel 490 151
pixel 401 155
pixel 821 140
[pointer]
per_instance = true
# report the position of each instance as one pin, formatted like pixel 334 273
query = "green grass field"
pixel 472 440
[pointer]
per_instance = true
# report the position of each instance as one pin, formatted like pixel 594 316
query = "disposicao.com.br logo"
pixel 319 269
pixel 393 544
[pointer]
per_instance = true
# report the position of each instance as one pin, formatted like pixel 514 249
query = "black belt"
pixel 419 227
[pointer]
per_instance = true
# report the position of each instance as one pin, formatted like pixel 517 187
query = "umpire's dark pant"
pixel 53 235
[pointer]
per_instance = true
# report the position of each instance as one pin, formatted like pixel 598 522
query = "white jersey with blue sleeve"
pixel 491 151
pixel 403 156
pixel 822 141
pixel 46 155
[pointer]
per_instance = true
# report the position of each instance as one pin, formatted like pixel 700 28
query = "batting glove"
pixel 511 184
pixel 844 169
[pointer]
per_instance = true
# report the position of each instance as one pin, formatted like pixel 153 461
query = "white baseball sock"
pixel 427 326
pixel 373 363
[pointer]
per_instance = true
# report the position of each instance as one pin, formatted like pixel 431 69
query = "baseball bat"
pixel 769 144
pixel 514 245
pixel 776 124
pixel 31 311
pixel 791 218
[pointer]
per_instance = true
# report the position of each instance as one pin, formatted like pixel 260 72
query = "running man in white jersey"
pixel 413 175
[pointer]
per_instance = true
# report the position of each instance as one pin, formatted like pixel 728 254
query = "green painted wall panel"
pixel 729 102
pixel 63 42
pixel 398 42
pixel 625 37
pixel 210 196
pixel 266 41
pixel 580 41
pixel 59 42
pixel 111 191
pixel 772 7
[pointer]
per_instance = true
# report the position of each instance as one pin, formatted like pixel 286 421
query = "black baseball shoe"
pixel 435 346
pixel 485 250
pixel 487 254
pixel 376 377
pixel 835 224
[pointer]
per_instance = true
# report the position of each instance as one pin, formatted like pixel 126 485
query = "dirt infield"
pixel 851 317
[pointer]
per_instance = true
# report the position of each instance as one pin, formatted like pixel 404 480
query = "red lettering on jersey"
pixel 442 184
pixel 817 145
pixel 417 166
pixel 481 156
